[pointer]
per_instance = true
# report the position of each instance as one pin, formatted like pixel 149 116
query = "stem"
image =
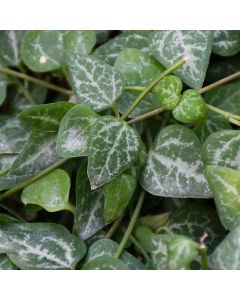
pixel 145 116
pixel 115 110
pixel 203 251
pixel 12 212
pixel 35 80
pixel 71 208
pixel 139 247
pixel 152 85
pixel 32 179
pixel 224 113
pixel 114 227
pixel 4 171
pixel 131 225
pixel 25 92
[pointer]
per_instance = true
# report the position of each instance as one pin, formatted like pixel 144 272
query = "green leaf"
pixel 13 135
pixel 6 161
pixel 226 255
pixel 193 220
pixel 106 247
pixel 89 206
pixel 117 194
pixel 45 117
pixel 225 187
pixel 168 91
pixel 226 42
pixel 149 103
pixel 105 263
pixel 222 148
pixel 95 83
pixel 170 171
pixel 5 263
pixel 10 43
pixel 74 131
pixel 79 41
pixel 226 97
pixel 43 246
pixel 51 192
pixel 155 222
pixel 138 39
pixel 3 88
pixel 42 50
pixel 113 147
pixel 137 68
pixel 214 122
pixel 191 108
pixel 169 46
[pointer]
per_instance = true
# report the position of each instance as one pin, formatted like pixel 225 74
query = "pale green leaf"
pixel 113 147
pixel 51 192
pixel 226 42
pixel 74 130
pixel 170 171
pixel 117 194
pixel 169 46
pixel 95 83
pixel 42 246
pixel 105 263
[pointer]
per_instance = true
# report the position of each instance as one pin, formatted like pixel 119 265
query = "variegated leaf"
pixel 79 41
pixel 226 42
pixel 222 148
pixel 113 147
pixel 169 46
pixel 138 39
pixel 95 83
pixel 74 130
pixel 170 171
pixel 51 192
pixel 45 117
pixel 89 206
pixel 225 187
pixel 5 263
pixel 42 246
pixel 105 262
pixel 3 88
pixel 10 43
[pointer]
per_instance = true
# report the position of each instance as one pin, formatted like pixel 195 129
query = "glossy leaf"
pixel 191 107
pixel 225 187
pixel 138 39
pixel 89 206
pixel 170 171
pixel 5 263
pixel 51 192
pixel 137 68
pixel 10 43
pixel 95 83
pixel 117 194
pixel 43 246
pixel 222 148
pixel 74 130
pixel 42 50
pixel 226 42
pixel 169 46
pixel 46 117
pixel 113 147
pixel 105 263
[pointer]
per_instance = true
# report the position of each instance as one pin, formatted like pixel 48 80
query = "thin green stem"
pixel 115 110
pixel 4 171
pixel 146 116
pixel 151 86
pixel 139 247
pixel 12 212
pixel 21 185
pixel 114 227
pixel 25 91
pixel 222 112
pixel 35 80
pixel 131 225
pixel 203 254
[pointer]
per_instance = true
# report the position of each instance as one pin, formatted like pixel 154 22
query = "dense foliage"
pixel 119 150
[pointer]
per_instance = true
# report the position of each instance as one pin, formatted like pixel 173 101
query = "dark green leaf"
pixel 226 42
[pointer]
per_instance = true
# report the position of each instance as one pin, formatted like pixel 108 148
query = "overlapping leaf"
pixel 226 42
pixel 5 263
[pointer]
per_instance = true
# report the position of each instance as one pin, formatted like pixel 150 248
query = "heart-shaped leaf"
pixel 106 247
pixel 137 68
pixel 225 187
pixel 105 263
pixel 226 255
pixel 10 43
pixel 191 108
pixel 42 50
pixel 168 90
pixel 43 246
pixel 113 147
pixel 222 148
pixel 51 192
pixel 138 39
pixel 5 263
pixel 193 220
pixel 168 46
pixel 74 130
pixel 46 117
pixel 117 194
pixel 95 83
pixel 89 206
pixel 226 42
pixel 170 171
